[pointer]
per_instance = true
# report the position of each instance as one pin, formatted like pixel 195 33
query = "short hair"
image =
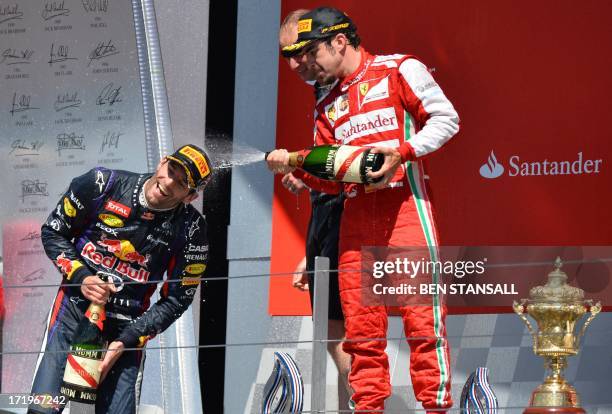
pixel 352 37
pixel 291 20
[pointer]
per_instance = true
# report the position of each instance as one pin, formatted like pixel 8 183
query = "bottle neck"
pixel 294 159
pixel 96 315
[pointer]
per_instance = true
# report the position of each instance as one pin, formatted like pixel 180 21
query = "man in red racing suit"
pixel 391 103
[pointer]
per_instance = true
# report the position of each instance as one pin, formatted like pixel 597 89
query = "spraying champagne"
pixel 346 163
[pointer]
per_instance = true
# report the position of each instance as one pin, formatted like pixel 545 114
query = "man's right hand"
pixel 96 290
pixel 278 161
pixel 295 185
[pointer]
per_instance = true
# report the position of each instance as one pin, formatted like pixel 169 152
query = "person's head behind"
pixel 178 178
pixel 325 37
pixel 287 36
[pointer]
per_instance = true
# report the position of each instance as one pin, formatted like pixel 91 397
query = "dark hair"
pixel 352 37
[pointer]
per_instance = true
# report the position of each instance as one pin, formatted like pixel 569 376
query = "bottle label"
pixel 347 163
pixel 82 371
pixel 330 160
pixel 96 317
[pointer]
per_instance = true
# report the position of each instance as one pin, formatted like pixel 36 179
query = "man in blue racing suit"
pixel 135 228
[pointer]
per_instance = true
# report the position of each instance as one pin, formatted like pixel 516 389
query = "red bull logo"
pixel 124 250
pixel 64 263
pixel 118 260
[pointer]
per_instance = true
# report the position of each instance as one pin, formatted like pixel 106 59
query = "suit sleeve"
pixel 69 219
pixel 185 270
pixel 434 113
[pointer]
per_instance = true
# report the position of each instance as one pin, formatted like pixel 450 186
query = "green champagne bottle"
pixel 81 376
pixel 346 163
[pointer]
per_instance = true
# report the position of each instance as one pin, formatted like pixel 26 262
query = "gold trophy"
pixel 556 307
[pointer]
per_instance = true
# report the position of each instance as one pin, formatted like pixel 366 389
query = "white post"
pixel 320 309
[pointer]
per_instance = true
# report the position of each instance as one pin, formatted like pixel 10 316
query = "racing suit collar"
pixel 357 75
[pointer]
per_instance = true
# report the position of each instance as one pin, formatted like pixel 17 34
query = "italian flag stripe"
pixel 417 185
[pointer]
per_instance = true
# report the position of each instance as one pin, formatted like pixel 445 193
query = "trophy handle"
pixel 594 310
pixel 519 310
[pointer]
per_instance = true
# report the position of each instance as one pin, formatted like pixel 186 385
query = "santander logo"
pixel 492 168
pixel 366 124
pixel 517 167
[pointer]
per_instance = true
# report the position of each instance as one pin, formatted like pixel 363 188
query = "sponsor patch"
pixel 342 105
pixel 197 249
pixel 111 220
pixel 335 27
pixel 196 256
pixel 363 88
pixel 124 250
pixel 369 123
pixel 69 208
pixel 106 229
pixel 156 240
pixel 55 224
pixel 189 281
pixel 428 85
pixel 92 255
pixel 117 208
pixel 304 26
pixel 195 268
pixel 330 112
pixel 198 160
pixel 195 226
pixel 142 341
pixel 373 91
pixel 67 266
pixel 76 201
pixel 100 180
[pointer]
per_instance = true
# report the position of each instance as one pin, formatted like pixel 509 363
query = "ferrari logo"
pixel 363 88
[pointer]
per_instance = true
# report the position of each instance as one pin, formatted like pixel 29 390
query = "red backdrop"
pixel 528 82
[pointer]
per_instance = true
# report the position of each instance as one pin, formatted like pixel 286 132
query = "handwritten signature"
pixel 103 50
pixel 22 148
pixel 35 275
pixel 109 95
pixel 54 9
pixel 10 13
pixel 110 141
pixel 58 54
pixel 67 100
pixel 21 104
pixel 14 57
pixel 33 235
pixel 94 6
pixel 70 141
pixel 33 188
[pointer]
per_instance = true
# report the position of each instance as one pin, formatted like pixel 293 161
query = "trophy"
pixel 556 307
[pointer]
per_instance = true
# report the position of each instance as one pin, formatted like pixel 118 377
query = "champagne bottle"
pixel 81 376
pixel 345 163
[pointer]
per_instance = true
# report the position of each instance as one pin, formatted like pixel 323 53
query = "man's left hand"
pixel 114 351
pixel 295 185
pixel 393 160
